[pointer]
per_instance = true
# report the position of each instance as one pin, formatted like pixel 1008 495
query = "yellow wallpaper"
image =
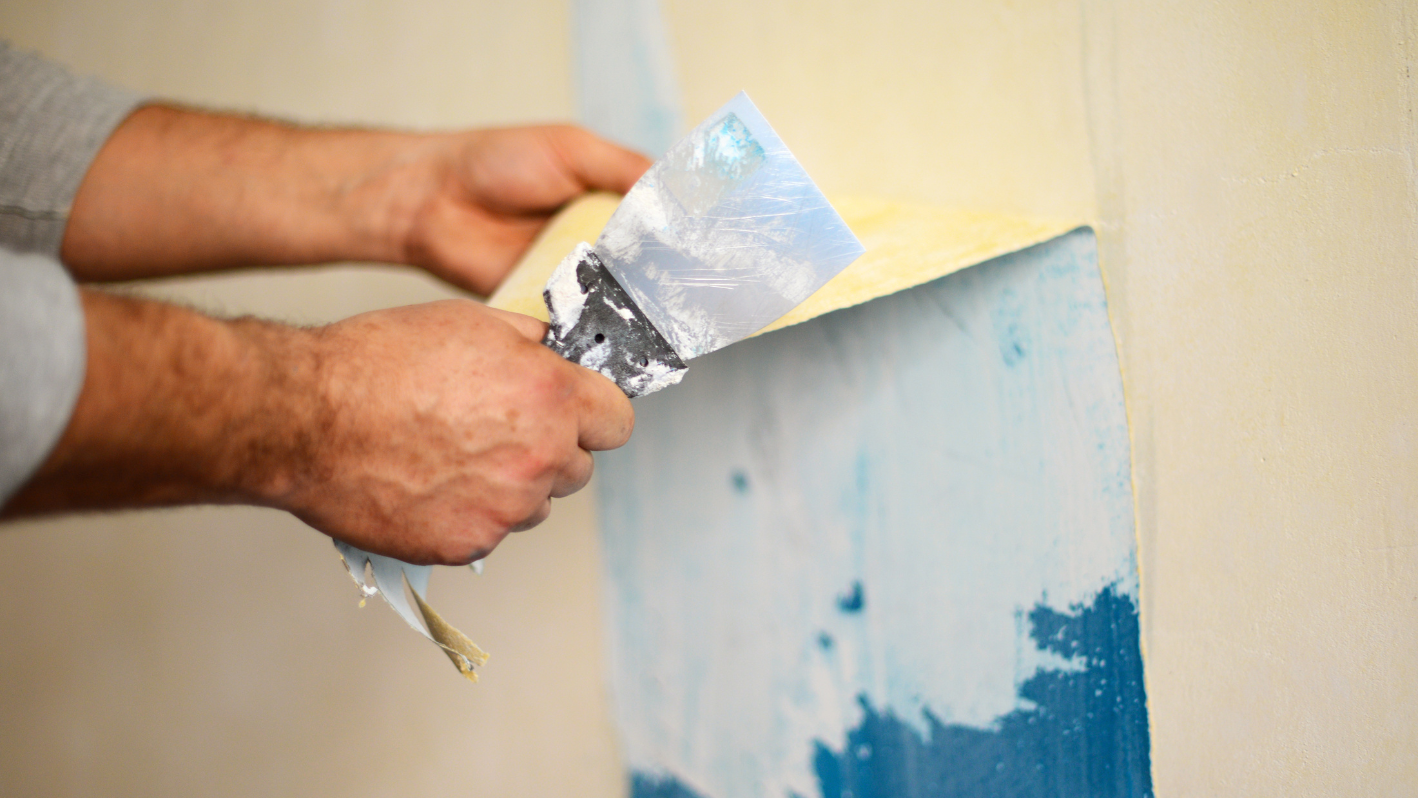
pixel 907 244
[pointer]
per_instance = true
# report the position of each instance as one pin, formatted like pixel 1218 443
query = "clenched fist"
pixel 446 426
pixel 426 432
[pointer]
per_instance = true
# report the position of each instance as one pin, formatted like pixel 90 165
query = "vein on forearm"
pixel 180 408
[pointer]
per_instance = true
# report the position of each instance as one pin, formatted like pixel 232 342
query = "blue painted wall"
pixel 888 552
pixel 625 79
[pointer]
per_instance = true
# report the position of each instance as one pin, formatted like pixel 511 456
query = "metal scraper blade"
pixel 724 235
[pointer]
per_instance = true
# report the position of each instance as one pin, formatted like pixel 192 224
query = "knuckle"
pixel 536 462
pixel 465 550
pixel 515 509
pixel 535 517
pixel 461 555
pixel 548 383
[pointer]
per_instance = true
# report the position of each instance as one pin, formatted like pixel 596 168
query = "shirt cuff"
pixel 43 358
pixel 52 124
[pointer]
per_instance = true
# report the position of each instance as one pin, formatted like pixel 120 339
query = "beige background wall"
pixel 1257 186
pixel 221 651
pixel 1252 174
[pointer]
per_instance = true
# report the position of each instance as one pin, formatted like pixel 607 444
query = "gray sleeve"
pixel 52 124
pixel 51 127
pixel 42 360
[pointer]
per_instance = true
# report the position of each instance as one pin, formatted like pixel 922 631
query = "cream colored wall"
pixel 1251 171
pixel 957 103
pixel 220 651
pixel 1261 236
pixel 1252 174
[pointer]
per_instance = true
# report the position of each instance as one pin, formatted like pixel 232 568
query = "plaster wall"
pixel 1250 171
pixel 1257 198
pixel 220 651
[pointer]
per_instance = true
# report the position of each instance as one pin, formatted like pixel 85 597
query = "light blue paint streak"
pixel 959 449
pixel 626 85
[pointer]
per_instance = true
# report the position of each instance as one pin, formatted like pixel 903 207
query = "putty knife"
pixel 721 237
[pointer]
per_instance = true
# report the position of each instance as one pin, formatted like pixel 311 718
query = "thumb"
pixel 531 328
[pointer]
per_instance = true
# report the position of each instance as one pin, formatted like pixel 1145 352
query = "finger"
pixel 574 475
pixel 597 163
pixel 535 518
pixel 606 416
pixel 533 329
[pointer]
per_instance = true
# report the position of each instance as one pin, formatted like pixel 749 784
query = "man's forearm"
pixel 179 408
pixel 426 432
pixel 177 190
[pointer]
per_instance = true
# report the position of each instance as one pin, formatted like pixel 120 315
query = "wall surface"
pixel 900 562
pixel 221 651
pixel 1251 170
pixel 1252 174
pixel 1261 233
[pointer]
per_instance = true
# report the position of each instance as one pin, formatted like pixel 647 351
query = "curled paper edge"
pixel 907 244
pixel 389 578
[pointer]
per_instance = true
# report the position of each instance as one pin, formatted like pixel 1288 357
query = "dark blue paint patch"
pixel 853 600
pixel 1086 736
pixel 739 479
pixel 645 785
pixel 825 641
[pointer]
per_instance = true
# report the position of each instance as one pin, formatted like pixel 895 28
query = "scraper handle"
pixel 611 334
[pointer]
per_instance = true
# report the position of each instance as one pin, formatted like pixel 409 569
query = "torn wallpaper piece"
pixel 906 245
pixel 389 576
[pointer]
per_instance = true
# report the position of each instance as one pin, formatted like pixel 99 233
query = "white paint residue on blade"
pixel 624 313
pixel 724 234
pixel 658 376
pixel 565 298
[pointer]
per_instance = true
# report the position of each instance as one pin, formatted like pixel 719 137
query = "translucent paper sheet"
pixel 724 234
pixel 906 244
pixel 388 577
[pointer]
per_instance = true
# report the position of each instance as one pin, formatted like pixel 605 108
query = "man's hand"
pixel 426 433
pixel 494 190
pixel 448 426
pixel 175 191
